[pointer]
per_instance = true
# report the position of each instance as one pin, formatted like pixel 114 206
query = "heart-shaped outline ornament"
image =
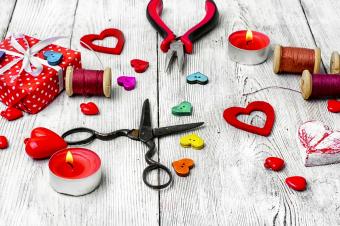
pixel 87 41
pixel 230 115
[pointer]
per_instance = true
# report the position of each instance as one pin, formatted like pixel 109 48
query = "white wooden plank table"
pixel 228 186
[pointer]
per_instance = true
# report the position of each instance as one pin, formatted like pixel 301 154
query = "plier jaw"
pixel 176 50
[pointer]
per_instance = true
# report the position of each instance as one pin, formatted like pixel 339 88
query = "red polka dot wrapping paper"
pixel 28 93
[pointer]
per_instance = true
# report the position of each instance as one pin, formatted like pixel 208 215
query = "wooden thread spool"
pixel 335 63
pixel 107 78
pixel 319 85
pixel 282 59
pixel 306 84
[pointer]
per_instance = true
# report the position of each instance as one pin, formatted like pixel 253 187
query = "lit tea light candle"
pixel 248 47
pixel 75 171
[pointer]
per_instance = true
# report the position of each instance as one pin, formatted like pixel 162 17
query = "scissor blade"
pixel 163 131
pixel 145 120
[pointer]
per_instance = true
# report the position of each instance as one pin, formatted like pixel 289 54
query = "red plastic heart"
pixel 87 41
pixel 11 113
pixel 43 143
pixel 333 106
pixel 297 183
pixel 274 163
pixel 140 66
pixel 230 115
pixel 89 108
pixel 3 142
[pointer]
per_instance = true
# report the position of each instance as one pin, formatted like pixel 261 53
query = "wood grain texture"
pixel 228 185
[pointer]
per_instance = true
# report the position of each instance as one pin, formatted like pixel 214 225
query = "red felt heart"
pixel 87 41
pixel 11 113
pixel 140 66
pixel 3 142
pixel 297 183
pixel 43 143
pixel 89 108
pixel 333 106
pixel 274 163
pixel 230 115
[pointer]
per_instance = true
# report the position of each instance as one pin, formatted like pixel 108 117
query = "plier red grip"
pixel 154 11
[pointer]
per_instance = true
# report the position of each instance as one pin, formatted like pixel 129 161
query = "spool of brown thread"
pixel 335 63
pixel 293 60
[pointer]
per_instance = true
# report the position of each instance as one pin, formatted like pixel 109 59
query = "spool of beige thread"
pixel 306 84
pixel 335 63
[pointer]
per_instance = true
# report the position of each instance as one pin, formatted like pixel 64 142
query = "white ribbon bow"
pixel 27 56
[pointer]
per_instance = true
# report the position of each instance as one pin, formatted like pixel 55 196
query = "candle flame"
pixel 69 158
pixel 249 36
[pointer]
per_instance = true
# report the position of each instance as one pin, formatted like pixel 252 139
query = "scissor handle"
pixel 87 140
pixel 153 165
pixel 93 135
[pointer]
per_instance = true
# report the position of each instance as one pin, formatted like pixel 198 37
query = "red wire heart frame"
pixel 87 41
pixel 230 115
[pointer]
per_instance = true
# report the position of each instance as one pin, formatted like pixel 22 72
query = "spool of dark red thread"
pixel 293 60
pixel 314 86
pixel 88 82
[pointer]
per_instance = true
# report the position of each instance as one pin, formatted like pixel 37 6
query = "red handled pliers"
pixel 178 46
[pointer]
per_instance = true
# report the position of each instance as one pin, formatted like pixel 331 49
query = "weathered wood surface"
pixel 228 186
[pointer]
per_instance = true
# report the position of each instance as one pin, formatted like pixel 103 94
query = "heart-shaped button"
pixel 333 106
pixel 297 183
pixel 230 115
pixel 53 58
pixel 11 113
pixel 2 55
pixel 3 142
pixel 128 82
pixel 197 78
pixel 43 143
pixel 140 66
pixel 182 167
pixel 192 140
pixel 318 144
pixel 87 41
pixel 184 108
pixel 89 108
pixel 274 163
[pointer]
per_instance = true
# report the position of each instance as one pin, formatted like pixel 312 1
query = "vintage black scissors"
pixel 145 134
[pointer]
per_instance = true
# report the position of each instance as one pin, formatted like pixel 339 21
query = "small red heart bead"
pixel 11 113
pixel 140 66
pixel 333 106
pixel 3 142
pixel 43 143
pixel 274 163
pixel 89 108
pixel 297 183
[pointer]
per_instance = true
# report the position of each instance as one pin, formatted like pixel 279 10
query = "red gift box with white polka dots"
pixel 28 93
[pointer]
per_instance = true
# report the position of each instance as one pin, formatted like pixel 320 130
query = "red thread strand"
pixel 88 82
